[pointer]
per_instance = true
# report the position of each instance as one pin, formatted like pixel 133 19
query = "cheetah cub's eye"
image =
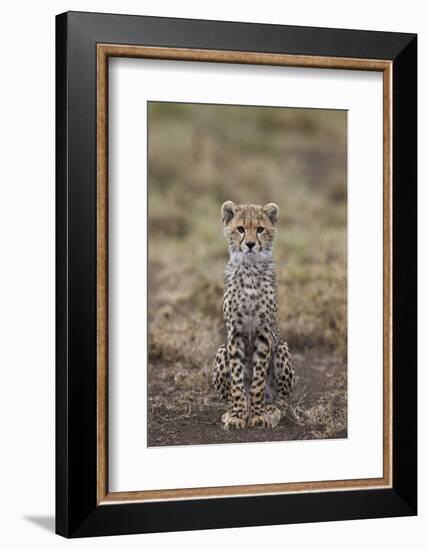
pixel 260 229
pixel 240 229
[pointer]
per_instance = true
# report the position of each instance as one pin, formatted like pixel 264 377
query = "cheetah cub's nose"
pixel 250 244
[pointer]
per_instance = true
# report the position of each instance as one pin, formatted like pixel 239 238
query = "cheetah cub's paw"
pixel 233 422
pixel 268 419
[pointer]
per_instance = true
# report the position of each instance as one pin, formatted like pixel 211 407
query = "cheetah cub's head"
pixel 250 230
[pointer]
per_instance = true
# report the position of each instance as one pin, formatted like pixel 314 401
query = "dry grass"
pixel 200 156
pixel 324 417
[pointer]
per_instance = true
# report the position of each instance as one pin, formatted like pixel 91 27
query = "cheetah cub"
pixel 253 367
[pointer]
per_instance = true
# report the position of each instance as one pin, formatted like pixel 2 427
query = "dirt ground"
pixel 199 157
pixel 317 407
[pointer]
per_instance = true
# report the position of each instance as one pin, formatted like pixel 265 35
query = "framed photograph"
pixel 236 274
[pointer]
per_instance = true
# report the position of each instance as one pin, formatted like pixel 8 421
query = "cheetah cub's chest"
pixel 248 292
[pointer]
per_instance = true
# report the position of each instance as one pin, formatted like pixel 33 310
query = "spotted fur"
pixel 253 370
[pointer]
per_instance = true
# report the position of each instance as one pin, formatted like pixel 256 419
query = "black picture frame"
pixel 77 511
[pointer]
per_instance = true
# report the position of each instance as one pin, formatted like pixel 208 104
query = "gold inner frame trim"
pixel 104 51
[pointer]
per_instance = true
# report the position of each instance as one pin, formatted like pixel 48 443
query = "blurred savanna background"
pixel 199 157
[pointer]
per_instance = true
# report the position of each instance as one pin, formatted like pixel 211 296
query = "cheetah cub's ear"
pixel 272 212
pixel 228 211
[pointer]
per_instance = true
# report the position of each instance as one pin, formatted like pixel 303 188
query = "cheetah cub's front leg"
pixel 221 380
pixel 260 415
pixel 237 416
